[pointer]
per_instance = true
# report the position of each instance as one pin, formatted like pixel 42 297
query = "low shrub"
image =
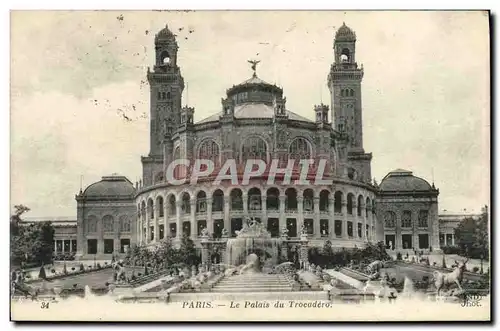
pixel 475 269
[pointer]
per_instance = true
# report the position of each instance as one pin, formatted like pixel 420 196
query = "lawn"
pixel 93 279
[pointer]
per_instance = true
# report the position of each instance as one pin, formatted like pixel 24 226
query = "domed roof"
pixel 164 34
pixel 403 181
pixel 344 33
pixel 255 110
pixel 253 83
pixel 117 186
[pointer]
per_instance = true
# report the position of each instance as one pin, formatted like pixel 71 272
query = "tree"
pixel 30 243
pixel 471 235
pixel 188 251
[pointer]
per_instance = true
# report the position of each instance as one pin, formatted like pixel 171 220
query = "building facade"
pixel 254 123
pixel 106 218
pixel 408 208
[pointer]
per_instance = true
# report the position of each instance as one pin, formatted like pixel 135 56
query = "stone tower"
pixel 166 87
pixel 344 82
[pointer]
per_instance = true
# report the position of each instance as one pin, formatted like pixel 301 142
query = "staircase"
pixel 253 282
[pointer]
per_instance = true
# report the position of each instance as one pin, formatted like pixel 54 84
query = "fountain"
pixel 253 238
pixel 408 289
pixel 88 293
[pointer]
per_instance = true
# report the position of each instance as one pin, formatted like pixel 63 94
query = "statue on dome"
pixel 254 66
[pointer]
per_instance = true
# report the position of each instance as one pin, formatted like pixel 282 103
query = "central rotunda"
pixel 255 124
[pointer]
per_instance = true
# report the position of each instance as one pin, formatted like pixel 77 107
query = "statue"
pixel 284 231
pixel 204 232
pixel 119 271
pixel 303 230
pixel 225 233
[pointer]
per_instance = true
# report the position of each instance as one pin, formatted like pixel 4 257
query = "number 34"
pixel 45 305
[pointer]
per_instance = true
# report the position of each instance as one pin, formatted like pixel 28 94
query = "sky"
pixel 74 74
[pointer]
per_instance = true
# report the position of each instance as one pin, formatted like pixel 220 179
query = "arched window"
pixel 254 148
pixel 92 224
pixel 159 177
pixel 201 202
pixel 291 199
pixel 423 219
pixel 151 209
pixel 345 55
pixel 338 202
pixel 107 223
pixel 390 219
pixel 368 206
pixel 209 150
pixel 169 95
pixel 236 199
pixel 324 200
pixel 159 206
pixel 218 201
pixel 177 153
pixel 186 203
pixel 360 205
pixel 351 93
pixel 143 210
pixel 165 58
pixel 273 199
pixel 342 92
pixel 254 199
pixel 124 223
pixel 350 203
pixel 172 205
pixel 299 149
pixel 308 204
pixel 406 219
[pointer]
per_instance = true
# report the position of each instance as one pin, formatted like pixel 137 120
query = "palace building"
pixel 254 123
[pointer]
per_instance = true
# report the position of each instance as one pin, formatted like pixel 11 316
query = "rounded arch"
pixel 107 223
pixel 368 205
pixel 159 177
pixel 273 198
pixel 151 209
pixel 143 209
pixel 350 203
pixel 254 147
pixel 165 58
pixel 324 200
pixel 172 206
pixel 308 203
pixel 345 55
pixel 338 196
pixel 91 224
pixel 160 208
pixel 124 223
pixel 201 202
pixel 236 199
pixel 185 199
pixel 254 198
pixel 209 150
pixel 217 200
pixel 390 219
pixel 360 205
pixel 300 148
pixel 291 199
